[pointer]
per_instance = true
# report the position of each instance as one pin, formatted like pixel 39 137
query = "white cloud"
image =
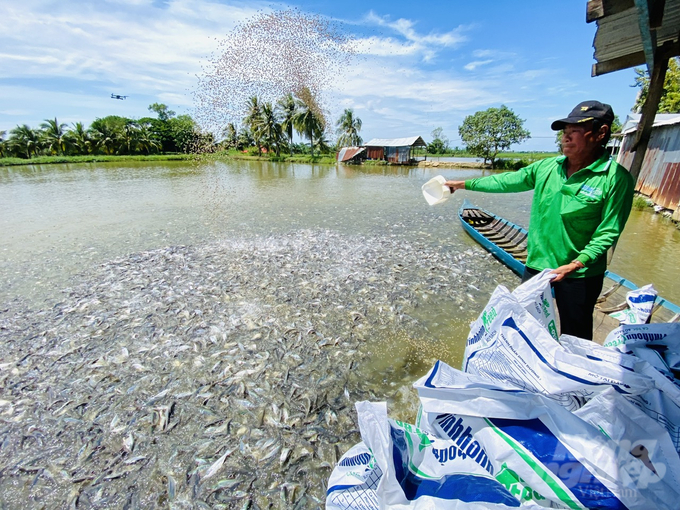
pixel 407 41
pixel 141 47
pixel 474 65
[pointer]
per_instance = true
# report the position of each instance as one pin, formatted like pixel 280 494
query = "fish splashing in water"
pixel 216 376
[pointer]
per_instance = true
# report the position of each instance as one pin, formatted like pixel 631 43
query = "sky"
pixel 419 65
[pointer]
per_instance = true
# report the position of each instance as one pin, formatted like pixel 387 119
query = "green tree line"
pixel 111 135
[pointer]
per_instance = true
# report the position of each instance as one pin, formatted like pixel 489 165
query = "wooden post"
pixel 649 109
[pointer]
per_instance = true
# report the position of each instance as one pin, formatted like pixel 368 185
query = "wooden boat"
pixel 508 243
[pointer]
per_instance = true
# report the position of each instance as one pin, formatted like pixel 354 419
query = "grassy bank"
pixel 323 159
pixel 326 159
pixel 50 160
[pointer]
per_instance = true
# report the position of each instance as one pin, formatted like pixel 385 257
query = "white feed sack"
pixel 506 343
pixel 533 422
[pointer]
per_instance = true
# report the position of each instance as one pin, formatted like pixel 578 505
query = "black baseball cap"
pixel 584 112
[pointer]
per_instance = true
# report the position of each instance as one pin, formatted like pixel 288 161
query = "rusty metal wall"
pixel 375 153
pixel 659 176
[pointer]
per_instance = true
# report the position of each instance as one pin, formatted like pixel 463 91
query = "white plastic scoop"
pixel 435 191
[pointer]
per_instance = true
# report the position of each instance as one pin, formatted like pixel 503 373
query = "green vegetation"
pixel 670 98
pixel 108 136
pixel 439 143
pixel 488 132
pixel 101 158
pixel 348 127
pixel 251 155
pixel 641 202
pixel 268 130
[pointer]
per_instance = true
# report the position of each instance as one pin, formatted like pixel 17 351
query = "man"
pixel 580 206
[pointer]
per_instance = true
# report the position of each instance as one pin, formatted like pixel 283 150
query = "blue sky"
pixel 422 64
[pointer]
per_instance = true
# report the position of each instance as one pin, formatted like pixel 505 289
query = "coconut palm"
pixel 286 111
pixel 230 136
pixel 128 137
pixel 4 146
pixel 322 143
pixel 54 135
pixel 308 119
pixel 106 136
pixel 251 120
pixel 146 141
pixel 79 139
pixel 244 139
pixel 269 129
pixel 348 127
pixel 24 140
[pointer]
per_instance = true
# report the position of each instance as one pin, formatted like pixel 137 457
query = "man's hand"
pixel 565 270
pixel 454 185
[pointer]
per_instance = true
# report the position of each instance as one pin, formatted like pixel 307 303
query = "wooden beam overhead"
pixel 646 33
pixel 617 64
pixel 668 50
pixel 597 9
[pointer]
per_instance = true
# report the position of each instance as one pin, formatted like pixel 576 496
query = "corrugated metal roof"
pixel 410 141
pixel 347 153
pixel 620 43
pixel 661 119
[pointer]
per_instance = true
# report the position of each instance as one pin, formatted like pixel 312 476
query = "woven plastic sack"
pixel 508 344
pixel 564 457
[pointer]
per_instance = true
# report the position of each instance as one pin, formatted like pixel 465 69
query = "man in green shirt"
pixel 580 206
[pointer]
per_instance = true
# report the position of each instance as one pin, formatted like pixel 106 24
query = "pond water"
pixel 187 315
pixel 60 219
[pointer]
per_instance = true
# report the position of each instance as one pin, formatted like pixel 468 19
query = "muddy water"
pixel 197 334
pixel 60 219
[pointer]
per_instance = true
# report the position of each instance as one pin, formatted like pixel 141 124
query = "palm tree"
pixel 286 110
pixel 322 142
pixel 24 140
pixel 348 127
pixel 252 119
pixel 54 135
pixel 244 139
pixel 308 119
pixel 269 128
pixel 4 146
pixel 105 135
pixel 129 136
pixel 80 139
pixel 146 141
pixel 230 135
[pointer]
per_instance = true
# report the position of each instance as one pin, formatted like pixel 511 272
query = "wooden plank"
pixel 646 33
pixel 649 109
pixel 598 9
pixel 616 64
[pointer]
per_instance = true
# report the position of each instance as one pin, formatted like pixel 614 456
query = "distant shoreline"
pixel 325 159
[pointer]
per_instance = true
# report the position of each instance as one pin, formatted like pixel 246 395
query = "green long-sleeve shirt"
pixel 578 218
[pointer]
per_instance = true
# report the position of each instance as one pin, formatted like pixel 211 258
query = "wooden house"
pixel 394 150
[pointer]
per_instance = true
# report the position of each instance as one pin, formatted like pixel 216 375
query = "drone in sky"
pixel 118 96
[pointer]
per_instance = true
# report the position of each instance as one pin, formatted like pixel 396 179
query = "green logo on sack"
pixel 516 486
pixel 422 436
pixel 553 330
pixel 546 307
pixel 488 316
